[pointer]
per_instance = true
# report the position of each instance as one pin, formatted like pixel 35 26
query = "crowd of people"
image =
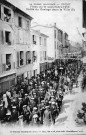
pixel 39 101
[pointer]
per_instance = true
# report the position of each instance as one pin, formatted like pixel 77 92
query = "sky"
pixel 68 21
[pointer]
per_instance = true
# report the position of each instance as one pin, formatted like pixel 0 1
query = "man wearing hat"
pixel 14 114
pixel 8 116
pixel 26 99
pixel 20 121
pixel 20 106
pixel 2 112
pixel 42 109
pixel 53 111
pixel 47 116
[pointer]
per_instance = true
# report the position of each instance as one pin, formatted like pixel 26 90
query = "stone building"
pixel 15 44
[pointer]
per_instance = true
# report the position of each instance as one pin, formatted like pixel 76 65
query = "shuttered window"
pixel 17 59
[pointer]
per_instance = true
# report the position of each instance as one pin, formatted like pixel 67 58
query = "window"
pixel 28 57
pixel 34 56
pixel 34 39
pixel 21 58
pixel 40 40
pixel 8 37
pixel 8 61
pixel 20 21
pixel 7 14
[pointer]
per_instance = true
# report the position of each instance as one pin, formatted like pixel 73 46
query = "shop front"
pixel 7 82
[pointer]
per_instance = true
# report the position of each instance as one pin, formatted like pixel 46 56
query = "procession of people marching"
pixel 39 101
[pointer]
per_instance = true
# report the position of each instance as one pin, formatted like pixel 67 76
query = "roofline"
pixel 6 2
pixel 49 27
pixel 43 26
pixel 38 32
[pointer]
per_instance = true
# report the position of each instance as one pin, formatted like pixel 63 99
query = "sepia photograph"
pixel 42 67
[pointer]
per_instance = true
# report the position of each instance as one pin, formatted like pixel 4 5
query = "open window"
pixel 7 14
pixel 34 39
pixel 21 58
pixel 20 21
pixel 8 37
pixel 28 57
pixel 34 56
pixel 8 62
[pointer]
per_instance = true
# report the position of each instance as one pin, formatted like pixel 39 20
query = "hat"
pixel 26 94
pixel 24 106
pixel 52 90
pixel 34 108
pixel 13 100
pixel 20 98
pixel 47 107
pixel 52 96
pixel 53 103
pixel 42 101
pixel 34 93
pixel 20 117
pixel 35 116
pixel 49 102
pixel 8 113
pixel 14 107
pixel 1 105
pixel 32 98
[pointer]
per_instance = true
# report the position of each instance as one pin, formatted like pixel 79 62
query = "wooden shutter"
pixel 18 59
pixel 1 37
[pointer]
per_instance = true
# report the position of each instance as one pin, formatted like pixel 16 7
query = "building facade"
pixel 14 45
pixel 58 43
pixel 39 52
pixel 53 42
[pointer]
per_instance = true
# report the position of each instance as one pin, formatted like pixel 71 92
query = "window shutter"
pixel 17 59
pixel 2 13
pixel 10 37
pixel 1 37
